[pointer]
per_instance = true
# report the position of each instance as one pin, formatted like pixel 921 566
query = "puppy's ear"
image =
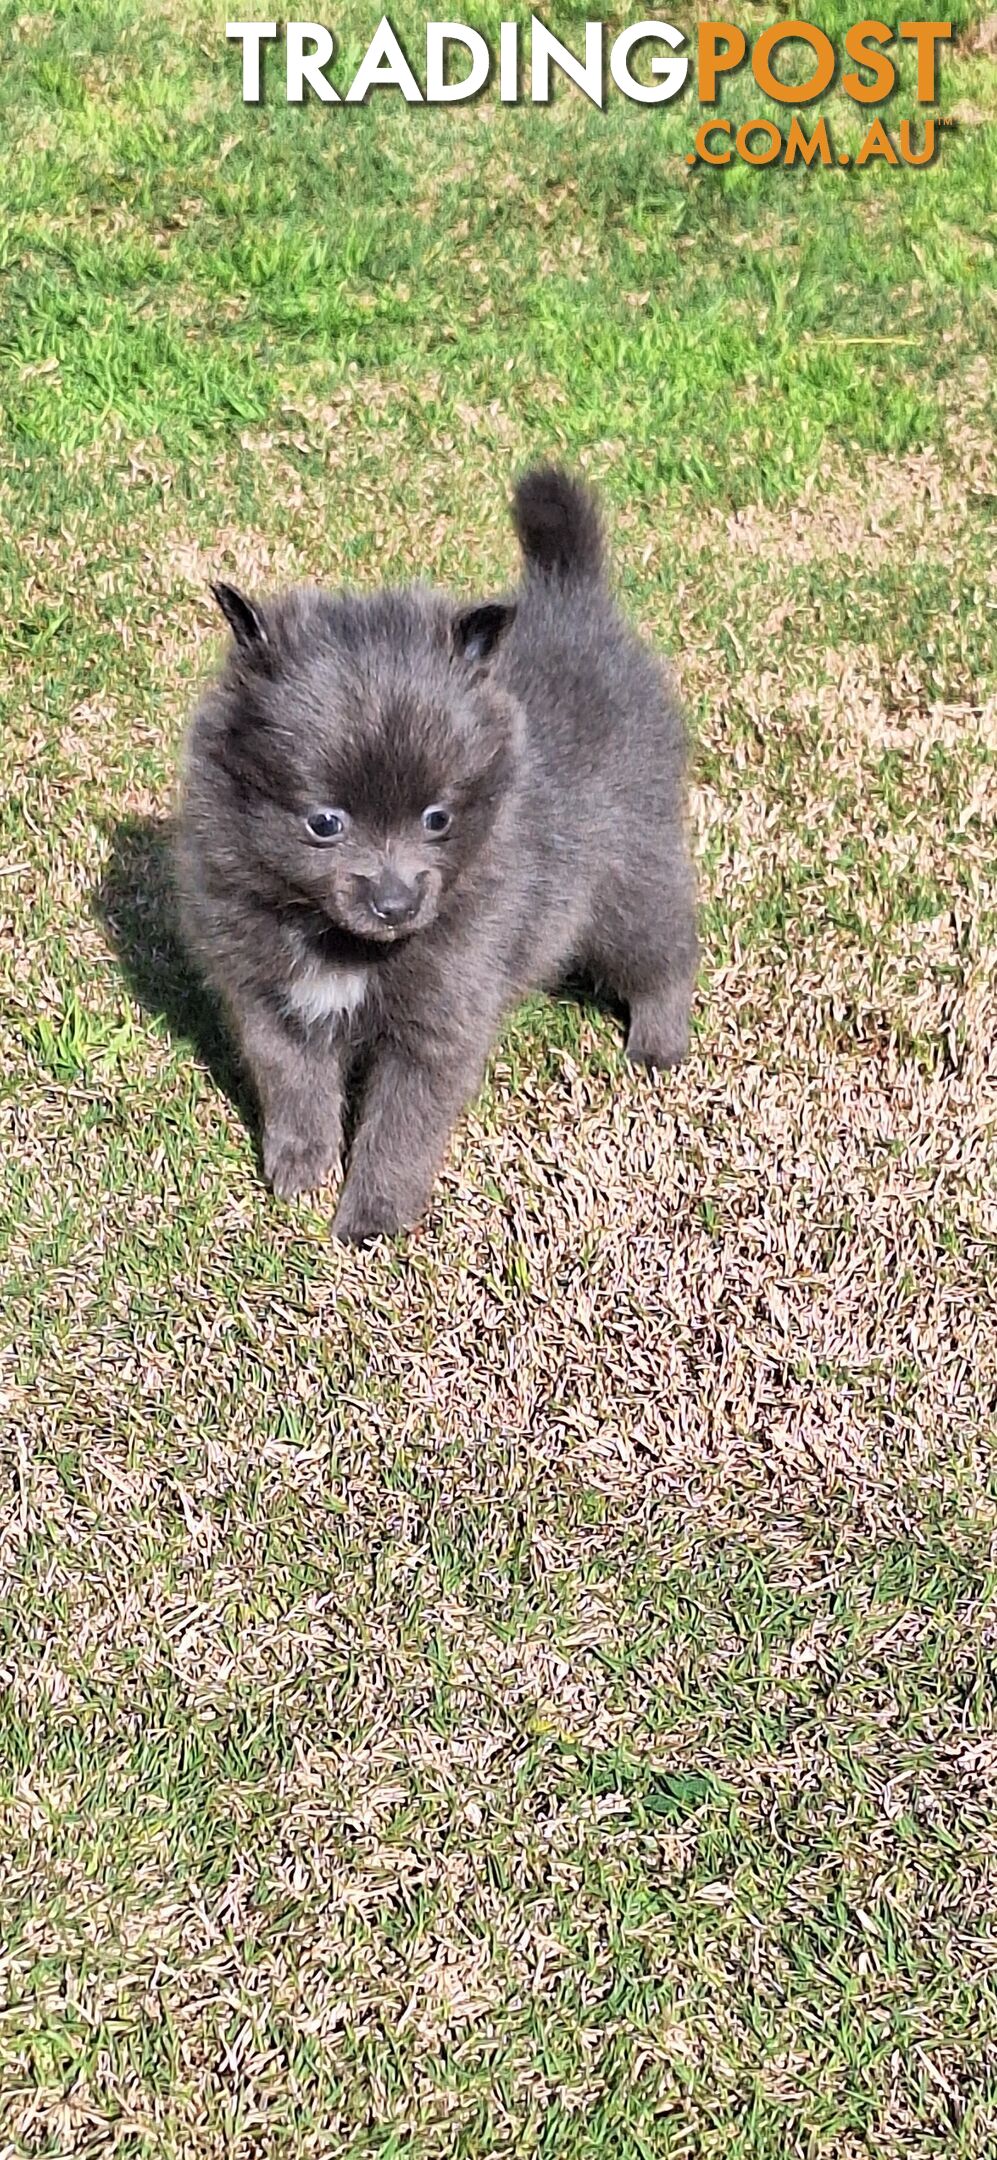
pixel 478 631
pixel 244 620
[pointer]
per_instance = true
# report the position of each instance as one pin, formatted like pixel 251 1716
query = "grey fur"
pixel 546 729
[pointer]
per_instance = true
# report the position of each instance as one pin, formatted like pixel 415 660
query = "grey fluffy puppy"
pixel 398 815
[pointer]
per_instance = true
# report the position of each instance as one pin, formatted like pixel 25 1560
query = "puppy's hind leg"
pixel 657 977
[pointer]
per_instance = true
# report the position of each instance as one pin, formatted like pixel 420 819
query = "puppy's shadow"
pixel 135 903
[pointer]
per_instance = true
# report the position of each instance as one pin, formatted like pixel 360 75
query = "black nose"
pixel 391 900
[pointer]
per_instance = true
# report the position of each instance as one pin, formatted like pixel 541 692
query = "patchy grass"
pixel 529 1690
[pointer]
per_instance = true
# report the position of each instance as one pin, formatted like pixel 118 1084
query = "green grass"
pixel 528 1690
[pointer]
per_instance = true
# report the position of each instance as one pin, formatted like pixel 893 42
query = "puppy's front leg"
pixel 299 1085
pixel 409 1110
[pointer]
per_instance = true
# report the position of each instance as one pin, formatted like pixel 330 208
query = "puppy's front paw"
pixel 293 1165
pixel 658 1055
pixel 659 1031
pixel 361 1217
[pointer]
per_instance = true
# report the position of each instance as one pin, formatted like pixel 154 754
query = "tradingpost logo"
pixel 460 63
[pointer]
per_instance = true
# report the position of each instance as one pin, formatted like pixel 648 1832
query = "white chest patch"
pixel 319 992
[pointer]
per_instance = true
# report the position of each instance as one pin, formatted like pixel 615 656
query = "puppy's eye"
pixel 327 824
pixel 436 821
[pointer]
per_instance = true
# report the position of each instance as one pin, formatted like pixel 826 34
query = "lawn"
pixel 528 1690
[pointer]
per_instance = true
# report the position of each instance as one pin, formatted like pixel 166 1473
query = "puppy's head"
pixel 363 751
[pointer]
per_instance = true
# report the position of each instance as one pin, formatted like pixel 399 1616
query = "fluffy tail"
pixel 558 524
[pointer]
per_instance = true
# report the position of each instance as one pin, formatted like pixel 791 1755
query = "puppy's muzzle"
pixel 391 900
